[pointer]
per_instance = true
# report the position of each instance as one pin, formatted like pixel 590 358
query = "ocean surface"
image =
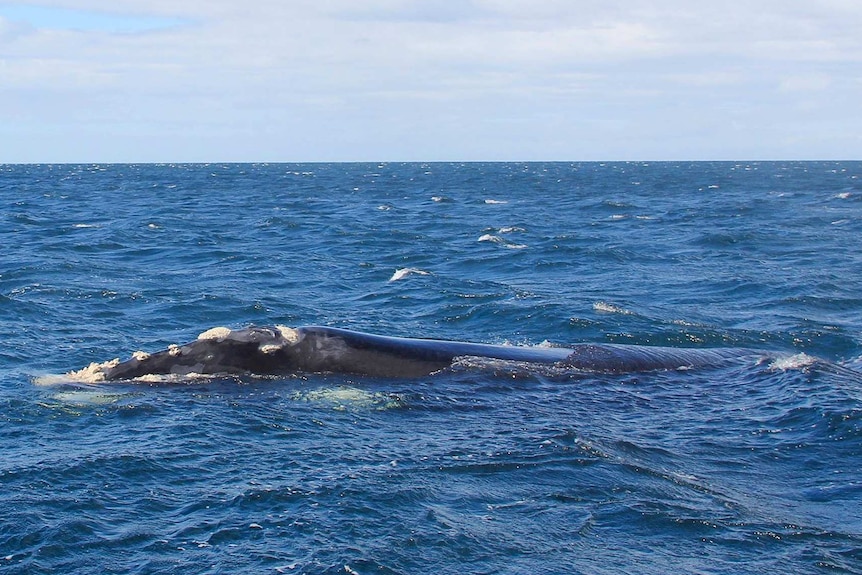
pixel 754 467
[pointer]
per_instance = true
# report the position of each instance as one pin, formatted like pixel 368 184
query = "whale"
pixel 282 350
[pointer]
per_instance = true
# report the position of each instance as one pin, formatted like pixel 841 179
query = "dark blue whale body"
pixel 282 350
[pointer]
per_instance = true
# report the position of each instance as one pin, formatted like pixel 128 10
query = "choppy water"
pixel 741 469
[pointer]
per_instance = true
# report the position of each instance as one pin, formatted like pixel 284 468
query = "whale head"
pixel 216 351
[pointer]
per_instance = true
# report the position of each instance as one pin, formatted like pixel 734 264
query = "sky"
pixel 433 80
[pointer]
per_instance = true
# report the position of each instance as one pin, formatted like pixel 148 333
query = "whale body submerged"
pixel 281 350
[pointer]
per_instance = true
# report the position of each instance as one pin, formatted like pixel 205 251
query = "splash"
pixel 93 373
pixel 793 362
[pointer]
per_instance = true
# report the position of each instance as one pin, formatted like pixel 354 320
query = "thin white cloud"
pixel 429 80
pixel 815 82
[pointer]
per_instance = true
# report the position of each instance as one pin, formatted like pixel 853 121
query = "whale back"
pixel 619 358
pixel 336 349
pixel 313 349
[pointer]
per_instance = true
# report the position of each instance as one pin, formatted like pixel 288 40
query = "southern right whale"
pixel 281 350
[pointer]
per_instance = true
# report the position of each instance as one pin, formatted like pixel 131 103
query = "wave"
pixel 501 241
pixel 403 273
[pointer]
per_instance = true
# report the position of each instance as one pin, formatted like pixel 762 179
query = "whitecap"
pixel 402 273
pixel 491 238
pixel 498 240
pixel 605 307
pixel 494 202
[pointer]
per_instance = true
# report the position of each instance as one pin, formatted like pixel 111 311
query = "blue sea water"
pixel 746 468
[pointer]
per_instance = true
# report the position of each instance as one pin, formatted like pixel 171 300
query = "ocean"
pixel 753 467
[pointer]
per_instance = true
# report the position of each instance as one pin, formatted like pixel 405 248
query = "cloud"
pixel 815 82
pixel 401 79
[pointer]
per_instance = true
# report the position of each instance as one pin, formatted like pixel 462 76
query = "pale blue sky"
pixel 342 80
